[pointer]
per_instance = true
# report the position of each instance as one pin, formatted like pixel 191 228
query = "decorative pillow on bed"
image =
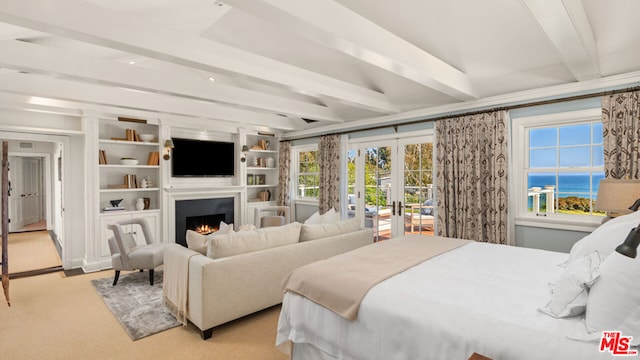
pixel 330 216
pixel 247 241
pixel 570 293
pixel 614 300
pixel 606 237
pixel 199 242
pixel 318 231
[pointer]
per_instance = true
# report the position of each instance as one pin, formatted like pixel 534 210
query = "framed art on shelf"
pixel 260 179
pixel 250 179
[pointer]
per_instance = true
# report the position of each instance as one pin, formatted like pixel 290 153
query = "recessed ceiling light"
pixel 211 78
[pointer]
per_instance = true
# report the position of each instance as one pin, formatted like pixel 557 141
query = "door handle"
pixel 393 208
pixel 399 208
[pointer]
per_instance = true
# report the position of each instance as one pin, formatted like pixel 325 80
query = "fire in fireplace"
pixel 204 224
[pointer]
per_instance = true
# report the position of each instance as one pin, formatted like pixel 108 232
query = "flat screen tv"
pixel 202 158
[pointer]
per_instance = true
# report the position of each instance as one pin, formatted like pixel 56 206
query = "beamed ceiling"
pixel 312 66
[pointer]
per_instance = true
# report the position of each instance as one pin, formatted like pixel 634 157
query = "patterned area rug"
pixel 136 304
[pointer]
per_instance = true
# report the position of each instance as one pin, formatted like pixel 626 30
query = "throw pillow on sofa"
pixel 318 231
pixel 199 242
pixel 330 216
pixel 254 240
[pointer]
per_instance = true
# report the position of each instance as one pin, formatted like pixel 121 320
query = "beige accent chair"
pixel 271 216
pixel 127 255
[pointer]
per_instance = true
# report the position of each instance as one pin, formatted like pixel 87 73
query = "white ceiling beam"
pixel 119 30
pixel 39 59
pixel 566 25
pixel 65 90
pixel 356 36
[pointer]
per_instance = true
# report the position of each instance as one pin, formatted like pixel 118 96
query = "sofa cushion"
pixel 254 240
pixel 199 242
pixel 318 231
pixel 330 216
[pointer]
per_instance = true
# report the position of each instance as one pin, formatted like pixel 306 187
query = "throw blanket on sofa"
pixel 175 280
pixel 341 282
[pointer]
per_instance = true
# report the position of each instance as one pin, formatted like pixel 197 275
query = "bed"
pixel 481 298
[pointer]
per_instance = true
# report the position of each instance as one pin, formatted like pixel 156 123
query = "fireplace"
pixel 191 214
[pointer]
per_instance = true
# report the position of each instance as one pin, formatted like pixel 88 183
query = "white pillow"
pixel 318 231
pixel 614 300
pixel 606 237
pixel 199 242
pixel 570 293
pixel 247 227
pixel 247 241
pixel 330 216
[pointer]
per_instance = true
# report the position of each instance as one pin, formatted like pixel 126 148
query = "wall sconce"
pixel 245 150
pixel 168 145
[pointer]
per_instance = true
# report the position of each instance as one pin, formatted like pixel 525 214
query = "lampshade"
pixel 168 143
pixel 616 195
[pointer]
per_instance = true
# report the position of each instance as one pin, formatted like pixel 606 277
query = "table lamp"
pixel 615 195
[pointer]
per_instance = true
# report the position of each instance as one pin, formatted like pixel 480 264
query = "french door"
pixel 390 185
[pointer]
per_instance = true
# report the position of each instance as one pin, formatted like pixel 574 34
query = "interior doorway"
pixel 35 242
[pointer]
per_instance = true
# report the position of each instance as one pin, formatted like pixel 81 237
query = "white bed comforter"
pixel 478 298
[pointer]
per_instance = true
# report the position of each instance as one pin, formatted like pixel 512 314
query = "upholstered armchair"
pixel 271 216
pixel 127 255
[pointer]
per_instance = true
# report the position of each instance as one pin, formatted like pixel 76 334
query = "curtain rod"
pixel 476 112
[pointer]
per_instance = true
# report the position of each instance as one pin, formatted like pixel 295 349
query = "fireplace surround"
pixel 195 212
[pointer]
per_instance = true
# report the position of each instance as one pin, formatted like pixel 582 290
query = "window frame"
pixel 520 167
pixel 295 158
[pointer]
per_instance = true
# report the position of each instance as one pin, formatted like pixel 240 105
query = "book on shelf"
pixel 113 208
pixel 154 158
pixel 132 135
pixel 102 159
pixel 130 181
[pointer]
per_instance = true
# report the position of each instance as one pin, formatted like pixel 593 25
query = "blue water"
pixel 577 184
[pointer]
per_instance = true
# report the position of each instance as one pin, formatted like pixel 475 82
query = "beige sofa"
pixel 227 288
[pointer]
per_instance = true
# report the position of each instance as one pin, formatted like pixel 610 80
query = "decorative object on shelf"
pixel 115 203
pixel 144 183
pixel 128 161
pixel 245 150
pixel 250 179
pixel 139 204
pixel 147 203
pixel 168 145
pixel 271 162
pixel 254 162
pixel 147 137
pixel 260 179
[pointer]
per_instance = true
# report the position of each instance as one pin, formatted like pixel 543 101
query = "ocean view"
pixel 566 185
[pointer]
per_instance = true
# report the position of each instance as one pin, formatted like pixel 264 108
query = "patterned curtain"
pixel 329 162
pixel 471 177
pixel 621 135
pixel 284 182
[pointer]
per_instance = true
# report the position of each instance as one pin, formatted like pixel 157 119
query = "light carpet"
pixel 136 304
pixel 31 251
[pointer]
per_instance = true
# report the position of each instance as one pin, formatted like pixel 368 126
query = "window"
pixel 307 172
pixel 562 163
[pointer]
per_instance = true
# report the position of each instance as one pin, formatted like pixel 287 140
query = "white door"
pixel 389 183
pixel 32 190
